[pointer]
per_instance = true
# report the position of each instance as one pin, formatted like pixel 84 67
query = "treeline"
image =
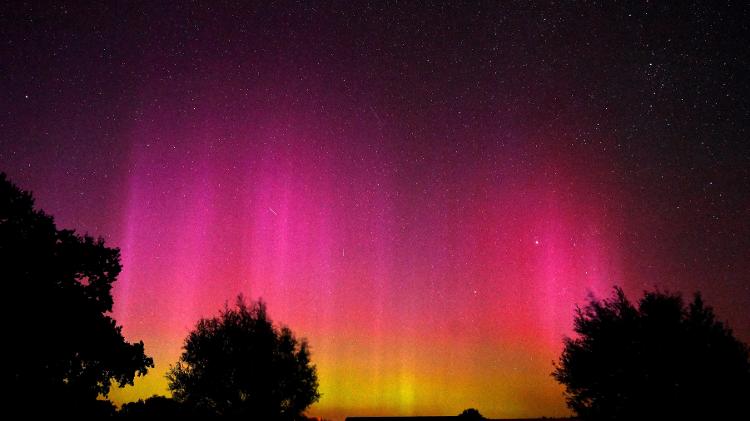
pixel 657 358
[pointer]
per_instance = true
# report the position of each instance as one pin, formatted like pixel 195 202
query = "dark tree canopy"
pixel 61 342
pixel 240 364
pixel 659 359
pixel 471 414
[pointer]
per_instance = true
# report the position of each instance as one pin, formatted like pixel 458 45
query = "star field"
pixel 425 192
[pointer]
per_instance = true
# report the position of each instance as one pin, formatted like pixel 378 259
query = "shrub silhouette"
pixel 155 407
pixel 60 340
pixel 471 414
pixel 661 359
pixel 240 365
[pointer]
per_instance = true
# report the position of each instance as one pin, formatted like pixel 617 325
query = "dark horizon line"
pixel 451 417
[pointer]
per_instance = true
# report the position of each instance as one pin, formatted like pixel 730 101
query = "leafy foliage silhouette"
pixel 471 414
pixel 659 359
pixel 61 340
pixel 240 365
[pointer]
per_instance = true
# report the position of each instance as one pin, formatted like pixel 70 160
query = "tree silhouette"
pixel 60 340
pixel 661 359
pixel 471 414
pixel 240 364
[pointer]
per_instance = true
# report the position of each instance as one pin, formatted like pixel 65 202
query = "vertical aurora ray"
pixel 415 300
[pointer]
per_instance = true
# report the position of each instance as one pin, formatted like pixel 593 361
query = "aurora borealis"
pixel 424 192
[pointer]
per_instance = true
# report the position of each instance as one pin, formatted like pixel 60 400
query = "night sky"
pixel 425 192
